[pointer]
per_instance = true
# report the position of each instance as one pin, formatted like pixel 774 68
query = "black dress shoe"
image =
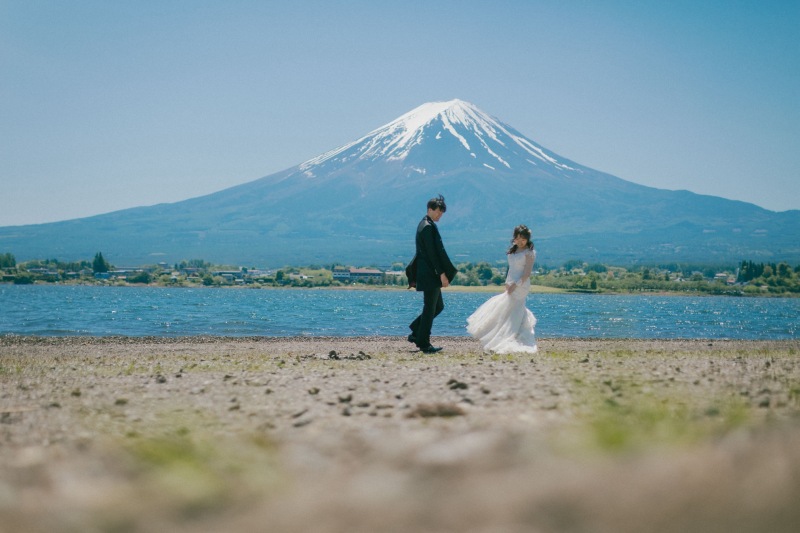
pixel 412 339
pixel 430 349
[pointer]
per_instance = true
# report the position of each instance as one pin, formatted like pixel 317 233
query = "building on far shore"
pixel 341 273
pixel 364 274
pixel 352 274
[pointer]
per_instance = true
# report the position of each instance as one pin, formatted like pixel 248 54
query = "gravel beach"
pixel 116 434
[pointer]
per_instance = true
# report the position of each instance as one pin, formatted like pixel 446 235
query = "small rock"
pixel 426 410
pixel 454 384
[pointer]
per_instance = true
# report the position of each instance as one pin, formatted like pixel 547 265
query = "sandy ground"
pixel 368 435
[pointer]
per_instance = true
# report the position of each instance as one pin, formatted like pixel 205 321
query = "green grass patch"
pixel 651 421
pixel 559 355
pixel 794 394
pixel 197 471
pixel 622 418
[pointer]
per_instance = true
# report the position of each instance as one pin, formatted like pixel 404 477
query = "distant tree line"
pixel 774 277
pixel 749 271
pixel 575 275
pixel 747 279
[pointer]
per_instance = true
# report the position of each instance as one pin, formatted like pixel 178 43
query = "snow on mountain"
pixel 487 141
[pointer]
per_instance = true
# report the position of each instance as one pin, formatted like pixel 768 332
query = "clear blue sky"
pixel 106 104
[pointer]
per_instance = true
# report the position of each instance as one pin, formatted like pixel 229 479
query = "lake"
pixel 66 310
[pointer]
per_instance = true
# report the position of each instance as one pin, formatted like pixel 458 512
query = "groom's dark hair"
pixel 437 203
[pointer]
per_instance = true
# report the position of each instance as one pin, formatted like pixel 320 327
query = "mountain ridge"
pixel 359 203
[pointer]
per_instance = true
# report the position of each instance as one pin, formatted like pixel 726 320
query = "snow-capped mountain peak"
pixel 482 138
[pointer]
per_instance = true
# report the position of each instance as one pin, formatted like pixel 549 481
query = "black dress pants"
pixel 432 305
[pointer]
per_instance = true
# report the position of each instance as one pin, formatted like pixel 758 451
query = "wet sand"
pixel 366 435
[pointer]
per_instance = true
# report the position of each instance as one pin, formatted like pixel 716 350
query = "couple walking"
pixel 502 324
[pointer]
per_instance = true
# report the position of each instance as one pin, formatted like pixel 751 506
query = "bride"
pixel 503 324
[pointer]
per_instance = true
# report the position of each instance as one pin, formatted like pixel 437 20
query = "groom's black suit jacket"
pixel 431 260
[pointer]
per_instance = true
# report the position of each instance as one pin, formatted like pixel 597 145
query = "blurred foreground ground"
pixel 366 435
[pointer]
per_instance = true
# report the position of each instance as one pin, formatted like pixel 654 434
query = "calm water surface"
pixel 54 310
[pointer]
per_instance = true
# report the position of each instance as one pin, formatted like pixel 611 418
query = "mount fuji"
pixel 360 203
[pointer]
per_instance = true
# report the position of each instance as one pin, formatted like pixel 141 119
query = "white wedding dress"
pixel 503 324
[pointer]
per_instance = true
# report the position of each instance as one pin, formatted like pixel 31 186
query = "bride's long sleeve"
pixel 527 269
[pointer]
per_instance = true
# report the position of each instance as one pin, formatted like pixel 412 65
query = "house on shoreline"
pixel 354 275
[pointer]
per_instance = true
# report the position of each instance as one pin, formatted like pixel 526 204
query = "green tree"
pixel 485 271
pixel 573 264
pixel 23 279
pixel 99 264
pixel 140 277
pixel 7 261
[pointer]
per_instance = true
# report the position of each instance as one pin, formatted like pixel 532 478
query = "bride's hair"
pixel 521 230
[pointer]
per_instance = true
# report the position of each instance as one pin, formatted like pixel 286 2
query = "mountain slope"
pixel 360 204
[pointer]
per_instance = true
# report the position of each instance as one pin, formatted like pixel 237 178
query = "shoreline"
pixel 462 344
pixel 365 434
pixel 535 289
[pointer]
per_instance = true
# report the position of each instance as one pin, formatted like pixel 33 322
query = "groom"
pixel 430 270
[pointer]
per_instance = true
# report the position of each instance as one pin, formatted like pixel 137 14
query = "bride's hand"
pixel 510 287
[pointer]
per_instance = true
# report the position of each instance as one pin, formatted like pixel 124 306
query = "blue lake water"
pixel 57 310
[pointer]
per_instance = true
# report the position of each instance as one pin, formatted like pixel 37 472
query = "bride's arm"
pixel 526 272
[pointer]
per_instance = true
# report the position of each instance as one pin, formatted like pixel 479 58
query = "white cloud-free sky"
pixel 106 105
